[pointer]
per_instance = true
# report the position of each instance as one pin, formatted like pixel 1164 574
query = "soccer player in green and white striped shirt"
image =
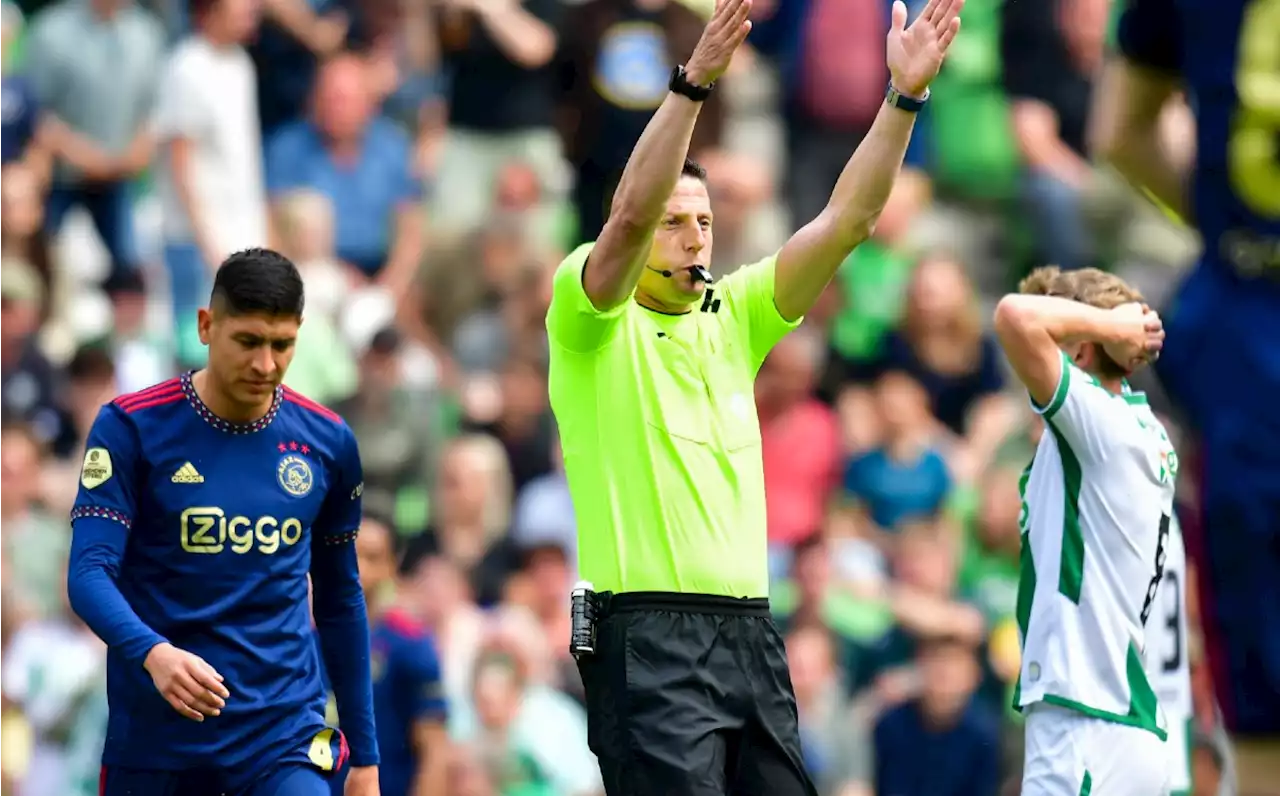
pixel 1098 503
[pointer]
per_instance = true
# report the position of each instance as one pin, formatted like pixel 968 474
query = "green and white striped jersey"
pixel 1096 513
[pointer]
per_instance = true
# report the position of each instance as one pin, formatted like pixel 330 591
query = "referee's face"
pixel 682 240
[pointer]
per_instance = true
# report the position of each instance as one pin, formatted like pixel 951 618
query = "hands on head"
pixel 1141 336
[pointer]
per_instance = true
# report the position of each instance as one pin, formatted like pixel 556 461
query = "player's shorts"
pixel 689 695
pixel 303 772
pixel 1071 754
pixel 1221 365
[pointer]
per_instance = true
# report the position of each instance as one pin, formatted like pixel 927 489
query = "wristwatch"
pixel 680 84
pixel 902 102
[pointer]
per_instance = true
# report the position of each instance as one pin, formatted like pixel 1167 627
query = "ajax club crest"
pixel 294 475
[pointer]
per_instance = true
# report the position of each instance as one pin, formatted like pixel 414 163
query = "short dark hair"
pixel 694 169
pixel 258 281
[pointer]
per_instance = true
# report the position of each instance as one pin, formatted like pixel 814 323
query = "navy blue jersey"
pixel 407 689
pixel 209 530
pixel 1225 52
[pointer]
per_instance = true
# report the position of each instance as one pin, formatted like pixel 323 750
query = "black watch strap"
pixel 680 85
pixel 902 102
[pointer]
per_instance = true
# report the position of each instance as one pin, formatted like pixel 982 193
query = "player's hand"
pixel 1140 336
pixel 726 30
pixel 362 781
pixel 914 53
pixel 189 684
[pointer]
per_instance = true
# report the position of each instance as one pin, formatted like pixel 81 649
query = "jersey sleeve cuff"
pixel 102 513
pixel 1059 395
pixel 569 286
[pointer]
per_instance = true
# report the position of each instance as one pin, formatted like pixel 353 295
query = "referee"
pixel 652 371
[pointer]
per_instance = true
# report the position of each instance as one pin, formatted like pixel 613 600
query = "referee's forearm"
pixel 867 180
pixel 653 169
pixel 647 182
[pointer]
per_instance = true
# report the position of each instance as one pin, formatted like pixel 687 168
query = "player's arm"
pixel 105 509
pixel 654 167
pixel 1126 127
pixel 338 604
pixel 1032 329
pixel 810 258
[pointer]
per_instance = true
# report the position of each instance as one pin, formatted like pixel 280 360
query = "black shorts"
pixel 689 695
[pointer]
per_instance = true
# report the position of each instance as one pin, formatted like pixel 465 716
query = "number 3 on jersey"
pixel 1254 149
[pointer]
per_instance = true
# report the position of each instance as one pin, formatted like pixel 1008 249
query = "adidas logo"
pixel 187 474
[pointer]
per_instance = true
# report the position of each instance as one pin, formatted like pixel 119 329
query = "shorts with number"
pixel 1071 754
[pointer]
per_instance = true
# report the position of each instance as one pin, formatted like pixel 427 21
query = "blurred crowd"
pixel 426 163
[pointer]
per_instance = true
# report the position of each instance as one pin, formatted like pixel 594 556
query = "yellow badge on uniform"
pixel 97 468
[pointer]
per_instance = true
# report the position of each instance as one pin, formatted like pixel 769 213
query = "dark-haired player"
pixel 408 693
pixel 1221 360
pixel 205 502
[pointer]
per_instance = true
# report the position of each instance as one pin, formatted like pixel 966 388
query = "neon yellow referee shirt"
pixel 661 441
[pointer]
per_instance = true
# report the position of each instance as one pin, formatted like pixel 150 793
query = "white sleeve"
pixel 1079 412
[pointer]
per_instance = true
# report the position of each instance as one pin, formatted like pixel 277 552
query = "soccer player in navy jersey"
pixel 408 692
pixel 1221 359
pixel 205 503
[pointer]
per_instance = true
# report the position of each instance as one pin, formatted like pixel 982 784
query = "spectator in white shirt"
pixel 210 177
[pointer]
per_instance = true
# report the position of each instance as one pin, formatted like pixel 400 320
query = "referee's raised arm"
pixel 651 174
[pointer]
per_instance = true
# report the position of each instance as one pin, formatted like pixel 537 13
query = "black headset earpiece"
pixel 662 271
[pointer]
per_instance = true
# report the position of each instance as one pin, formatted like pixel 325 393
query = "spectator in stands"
pixel 541 583
pixel 833 735
pixel 21 217
pixel 616 60
pixel 35 543
pixel 523 424
pixel 740 190
pixel 296 36
pixel 922 604
pixel 1051 52
pixel 95 66
pixel 941 342
pixel 210 165
pixel 55 669
pixel 29 381
pixel 544 512
pixel 904 478
pixel 21 110
pixel 364 164
pixel 502 101
pixel 543 728
pixel 831 60
pixel 471 515
pixel 400 432
pixel 941 743
pixel 800 439
pixel 142 357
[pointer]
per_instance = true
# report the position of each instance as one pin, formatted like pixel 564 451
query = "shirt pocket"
pixel 680 403
pixel 734 401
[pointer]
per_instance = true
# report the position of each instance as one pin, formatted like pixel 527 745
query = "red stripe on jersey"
pixel 344 751
pixel 151 390
pixel 153 400
pixel 163 388
pixel 102 781
pixel 307 403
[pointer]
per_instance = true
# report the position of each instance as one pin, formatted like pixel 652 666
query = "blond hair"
pixel 1090 286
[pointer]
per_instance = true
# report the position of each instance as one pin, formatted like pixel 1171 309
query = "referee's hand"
pixel 726 30
pixel 189 684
